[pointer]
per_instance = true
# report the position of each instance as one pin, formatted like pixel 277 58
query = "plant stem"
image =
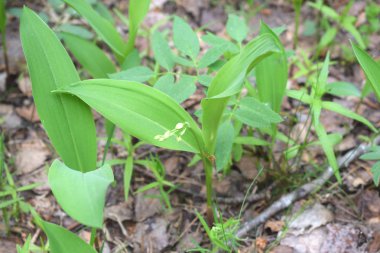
pixel 93 237
pixel 207 164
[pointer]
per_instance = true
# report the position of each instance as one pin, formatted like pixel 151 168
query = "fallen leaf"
pixel 275 225
pixel 29 113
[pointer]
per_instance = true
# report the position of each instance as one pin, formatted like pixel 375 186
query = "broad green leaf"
pixel 179 91
pixel 205 80
pixel 89 56
pixel 376 173
pixel 104 11
pixel 162 52
pixel 374 155
pixel 300 95
pixel 370 67
pixel 256 114
pixel 141 111
pixel 224 142
pixel 215 41
pixel 211 56
pixel 272 75
pixel 102 26
pixel 67 120
pixel 236 28
pixel 81 195
pixel 229 81
pixel 132 60
pixel 332 106
pixel 76 30
pixel 62 240
pixel 185 39
pixel 137 12
pixel 250 140
pixel 341 89
pixel 136 74
pixel 183 61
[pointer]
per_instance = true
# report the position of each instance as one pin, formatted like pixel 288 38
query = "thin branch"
pixel 286 200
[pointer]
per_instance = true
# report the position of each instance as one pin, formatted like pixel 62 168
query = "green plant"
pixel 371 69
pixel 314 99
pixel 158 170
pixel 339 21
pixel 166 123
pixel 11 203
pixel 69 122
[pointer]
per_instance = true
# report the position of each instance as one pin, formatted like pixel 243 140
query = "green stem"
pixel 93 237
pixel 207 164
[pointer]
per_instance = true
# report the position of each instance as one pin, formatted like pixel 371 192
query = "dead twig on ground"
pixel 313 186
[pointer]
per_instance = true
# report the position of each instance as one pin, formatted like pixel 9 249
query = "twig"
pixel 286 200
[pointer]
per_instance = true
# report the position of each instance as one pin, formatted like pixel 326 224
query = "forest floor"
pixel 333 218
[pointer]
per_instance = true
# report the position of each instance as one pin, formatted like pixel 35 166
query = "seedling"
pixel 371 69
pixel 160 183
pixel 314 99
pixel 340 21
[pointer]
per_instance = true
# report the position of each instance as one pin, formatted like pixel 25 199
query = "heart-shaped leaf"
pixel 81 195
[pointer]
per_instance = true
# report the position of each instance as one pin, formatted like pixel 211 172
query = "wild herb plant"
pixel 77 185
pixel 152 112
pixel 160 183
pixel 371 69
pixel 332 22
pixel 145 112
pixel 314 99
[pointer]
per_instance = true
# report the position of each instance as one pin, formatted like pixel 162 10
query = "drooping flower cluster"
pixel 178 131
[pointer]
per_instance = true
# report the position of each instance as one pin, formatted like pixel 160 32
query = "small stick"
pixel 286 200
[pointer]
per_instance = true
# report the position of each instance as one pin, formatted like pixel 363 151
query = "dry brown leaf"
pixel 275 225
pixel 28 112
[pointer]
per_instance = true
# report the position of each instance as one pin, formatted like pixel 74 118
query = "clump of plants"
pixel 145 103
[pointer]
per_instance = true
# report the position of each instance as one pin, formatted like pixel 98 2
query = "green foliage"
pixel 137 12
pixel 102 26
pixel 135 74
pixel 224 143
pixel 63 241
pixel 160 183
pixel 236 28
pixel 341 21
pixel 317 104
pixel 179 91
pixel 222 234
pixel 256 114
pixel 81 195
pixel 162 52
pixel 185 39
pixel 89 56
pixel 68 122
pixel 119 100
pixel 370 67
pixel 374 155
pixel 272 74
pixel 229 81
